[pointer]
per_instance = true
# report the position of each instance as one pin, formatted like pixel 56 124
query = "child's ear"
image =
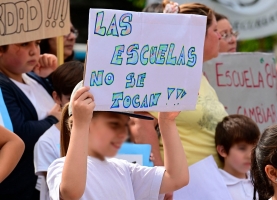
pixel 220 149
pixel 56 98
pixel 271 173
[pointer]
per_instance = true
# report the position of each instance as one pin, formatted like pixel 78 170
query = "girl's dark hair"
pixel 65 130
pixel 4 48
pixel 219 17
pixel 265 153
pixel 45 48
pixel 195 8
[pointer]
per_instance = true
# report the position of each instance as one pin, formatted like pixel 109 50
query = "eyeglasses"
pixel 228 36
pixel 74 31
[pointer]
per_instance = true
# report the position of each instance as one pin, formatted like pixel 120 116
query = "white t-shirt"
pixel 39 97
pixel 111 179
pixel 240 189
pixel 47 149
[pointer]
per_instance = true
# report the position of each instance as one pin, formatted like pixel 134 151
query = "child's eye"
pixel 38 42
pixel 242 148
pixel 24 44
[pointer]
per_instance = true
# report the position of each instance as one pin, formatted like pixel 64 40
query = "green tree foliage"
pixel 263 45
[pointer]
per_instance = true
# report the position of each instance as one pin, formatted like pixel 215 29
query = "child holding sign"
pixel 235 137
pixel 97 135
pixel 32 110
pixel 264 165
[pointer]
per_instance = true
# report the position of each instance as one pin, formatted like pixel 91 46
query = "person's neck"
pixel 274 197
pixel 16 77
pixel 234 173
pixel 96 155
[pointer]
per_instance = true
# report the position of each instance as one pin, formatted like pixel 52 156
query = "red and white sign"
pixel 246 84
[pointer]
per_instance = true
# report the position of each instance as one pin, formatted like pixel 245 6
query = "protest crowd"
pixel 57 143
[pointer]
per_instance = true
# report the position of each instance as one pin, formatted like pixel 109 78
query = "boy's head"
pixel 64 79
pixel 19 58
pixel 235 137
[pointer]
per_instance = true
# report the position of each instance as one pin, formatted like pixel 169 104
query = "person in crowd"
pixel 50 45
pixel 11 150
pixel 95 135
pixel 228 42
pixel 235 138
pixel 264 165
pixel 154 8
pixel 196 128
pixel 47 148
pixel 31 109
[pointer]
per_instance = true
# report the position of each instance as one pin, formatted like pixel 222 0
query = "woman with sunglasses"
pixel 50 46
pixel 228 42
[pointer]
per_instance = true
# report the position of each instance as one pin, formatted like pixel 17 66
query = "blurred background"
pixel 249 9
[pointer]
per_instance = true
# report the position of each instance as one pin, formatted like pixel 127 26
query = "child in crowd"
pixel 235 137
pixel 86 173
pixel 264 165
pixel 11 150
pixel 31 109
pixel 47 149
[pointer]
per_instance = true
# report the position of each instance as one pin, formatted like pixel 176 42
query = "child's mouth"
pixel 116 145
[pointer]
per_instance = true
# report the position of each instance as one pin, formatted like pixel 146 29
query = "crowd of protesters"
pixel 60 145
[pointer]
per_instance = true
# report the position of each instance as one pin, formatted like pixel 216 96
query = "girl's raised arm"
pixel 176 175
pixel 75 167
pixel 11 150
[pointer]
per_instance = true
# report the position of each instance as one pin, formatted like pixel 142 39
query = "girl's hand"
pixel 46 65
pixel 82 106
pixel 56 111
pixel 168 115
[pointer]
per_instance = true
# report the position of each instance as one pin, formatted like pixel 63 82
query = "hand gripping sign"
pixel 144 61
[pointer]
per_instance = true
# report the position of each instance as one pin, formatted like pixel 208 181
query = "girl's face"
pixel 211 45
pixel 228 42
pixel 108 131
pixel 69 41
pixel 20 58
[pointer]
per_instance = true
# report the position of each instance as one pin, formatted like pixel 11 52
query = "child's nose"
pixel 34 48
pixel 218 35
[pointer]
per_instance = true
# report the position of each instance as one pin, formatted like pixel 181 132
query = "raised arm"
pixel 12 148
pixel 176 175
pixel 75 167
pixel 143 132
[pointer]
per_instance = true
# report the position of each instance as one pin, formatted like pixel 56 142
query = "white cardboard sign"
pixel 246 84
pixel 144 61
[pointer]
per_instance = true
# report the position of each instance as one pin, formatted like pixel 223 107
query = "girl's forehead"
pixel 111 116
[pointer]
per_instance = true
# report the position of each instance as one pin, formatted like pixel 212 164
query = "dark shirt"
pixel 27 126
